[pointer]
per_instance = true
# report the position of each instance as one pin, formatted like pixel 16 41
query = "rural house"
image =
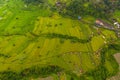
pixel 103 24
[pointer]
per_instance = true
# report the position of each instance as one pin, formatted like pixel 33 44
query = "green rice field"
pixel 31 36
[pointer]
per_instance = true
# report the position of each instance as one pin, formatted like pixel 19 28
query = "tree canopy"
pixel 34 1
pixel 88 7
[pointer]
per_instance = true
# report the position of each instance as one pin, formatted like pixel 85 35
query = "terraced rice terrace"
pixel 40 44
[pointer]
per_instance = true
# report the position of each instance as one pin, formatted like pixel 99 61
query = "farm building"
pixel 99 22
pixel 104 24
pixel 117 24
pixel 58 3
pixel 79 17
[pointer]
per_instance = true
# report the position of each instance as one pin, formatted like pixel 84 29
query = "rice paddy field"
pixel 31 36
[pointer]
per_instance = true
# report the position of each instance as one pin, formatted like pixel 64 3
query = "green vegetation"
pixel 99 9
pixel 41 38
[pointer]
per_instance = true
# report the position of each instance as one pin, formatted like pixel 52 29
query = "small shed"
pixel 58 3
pixel 117 24
pixel 99 22
pixel 104 24
pixel 79 17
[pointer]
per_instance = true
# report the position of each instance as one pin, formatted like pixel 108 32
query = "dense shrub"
pixel 32 72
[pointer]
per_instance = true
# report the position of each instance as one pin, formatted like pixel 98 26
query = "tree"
pixel 75 8
pixel 34 1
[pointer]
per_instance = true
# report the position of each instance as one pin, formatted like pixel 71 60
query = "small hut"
pixel 117 24
pixel 58 3
pixel 79 17
pixel 99 22
pixel 104 24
